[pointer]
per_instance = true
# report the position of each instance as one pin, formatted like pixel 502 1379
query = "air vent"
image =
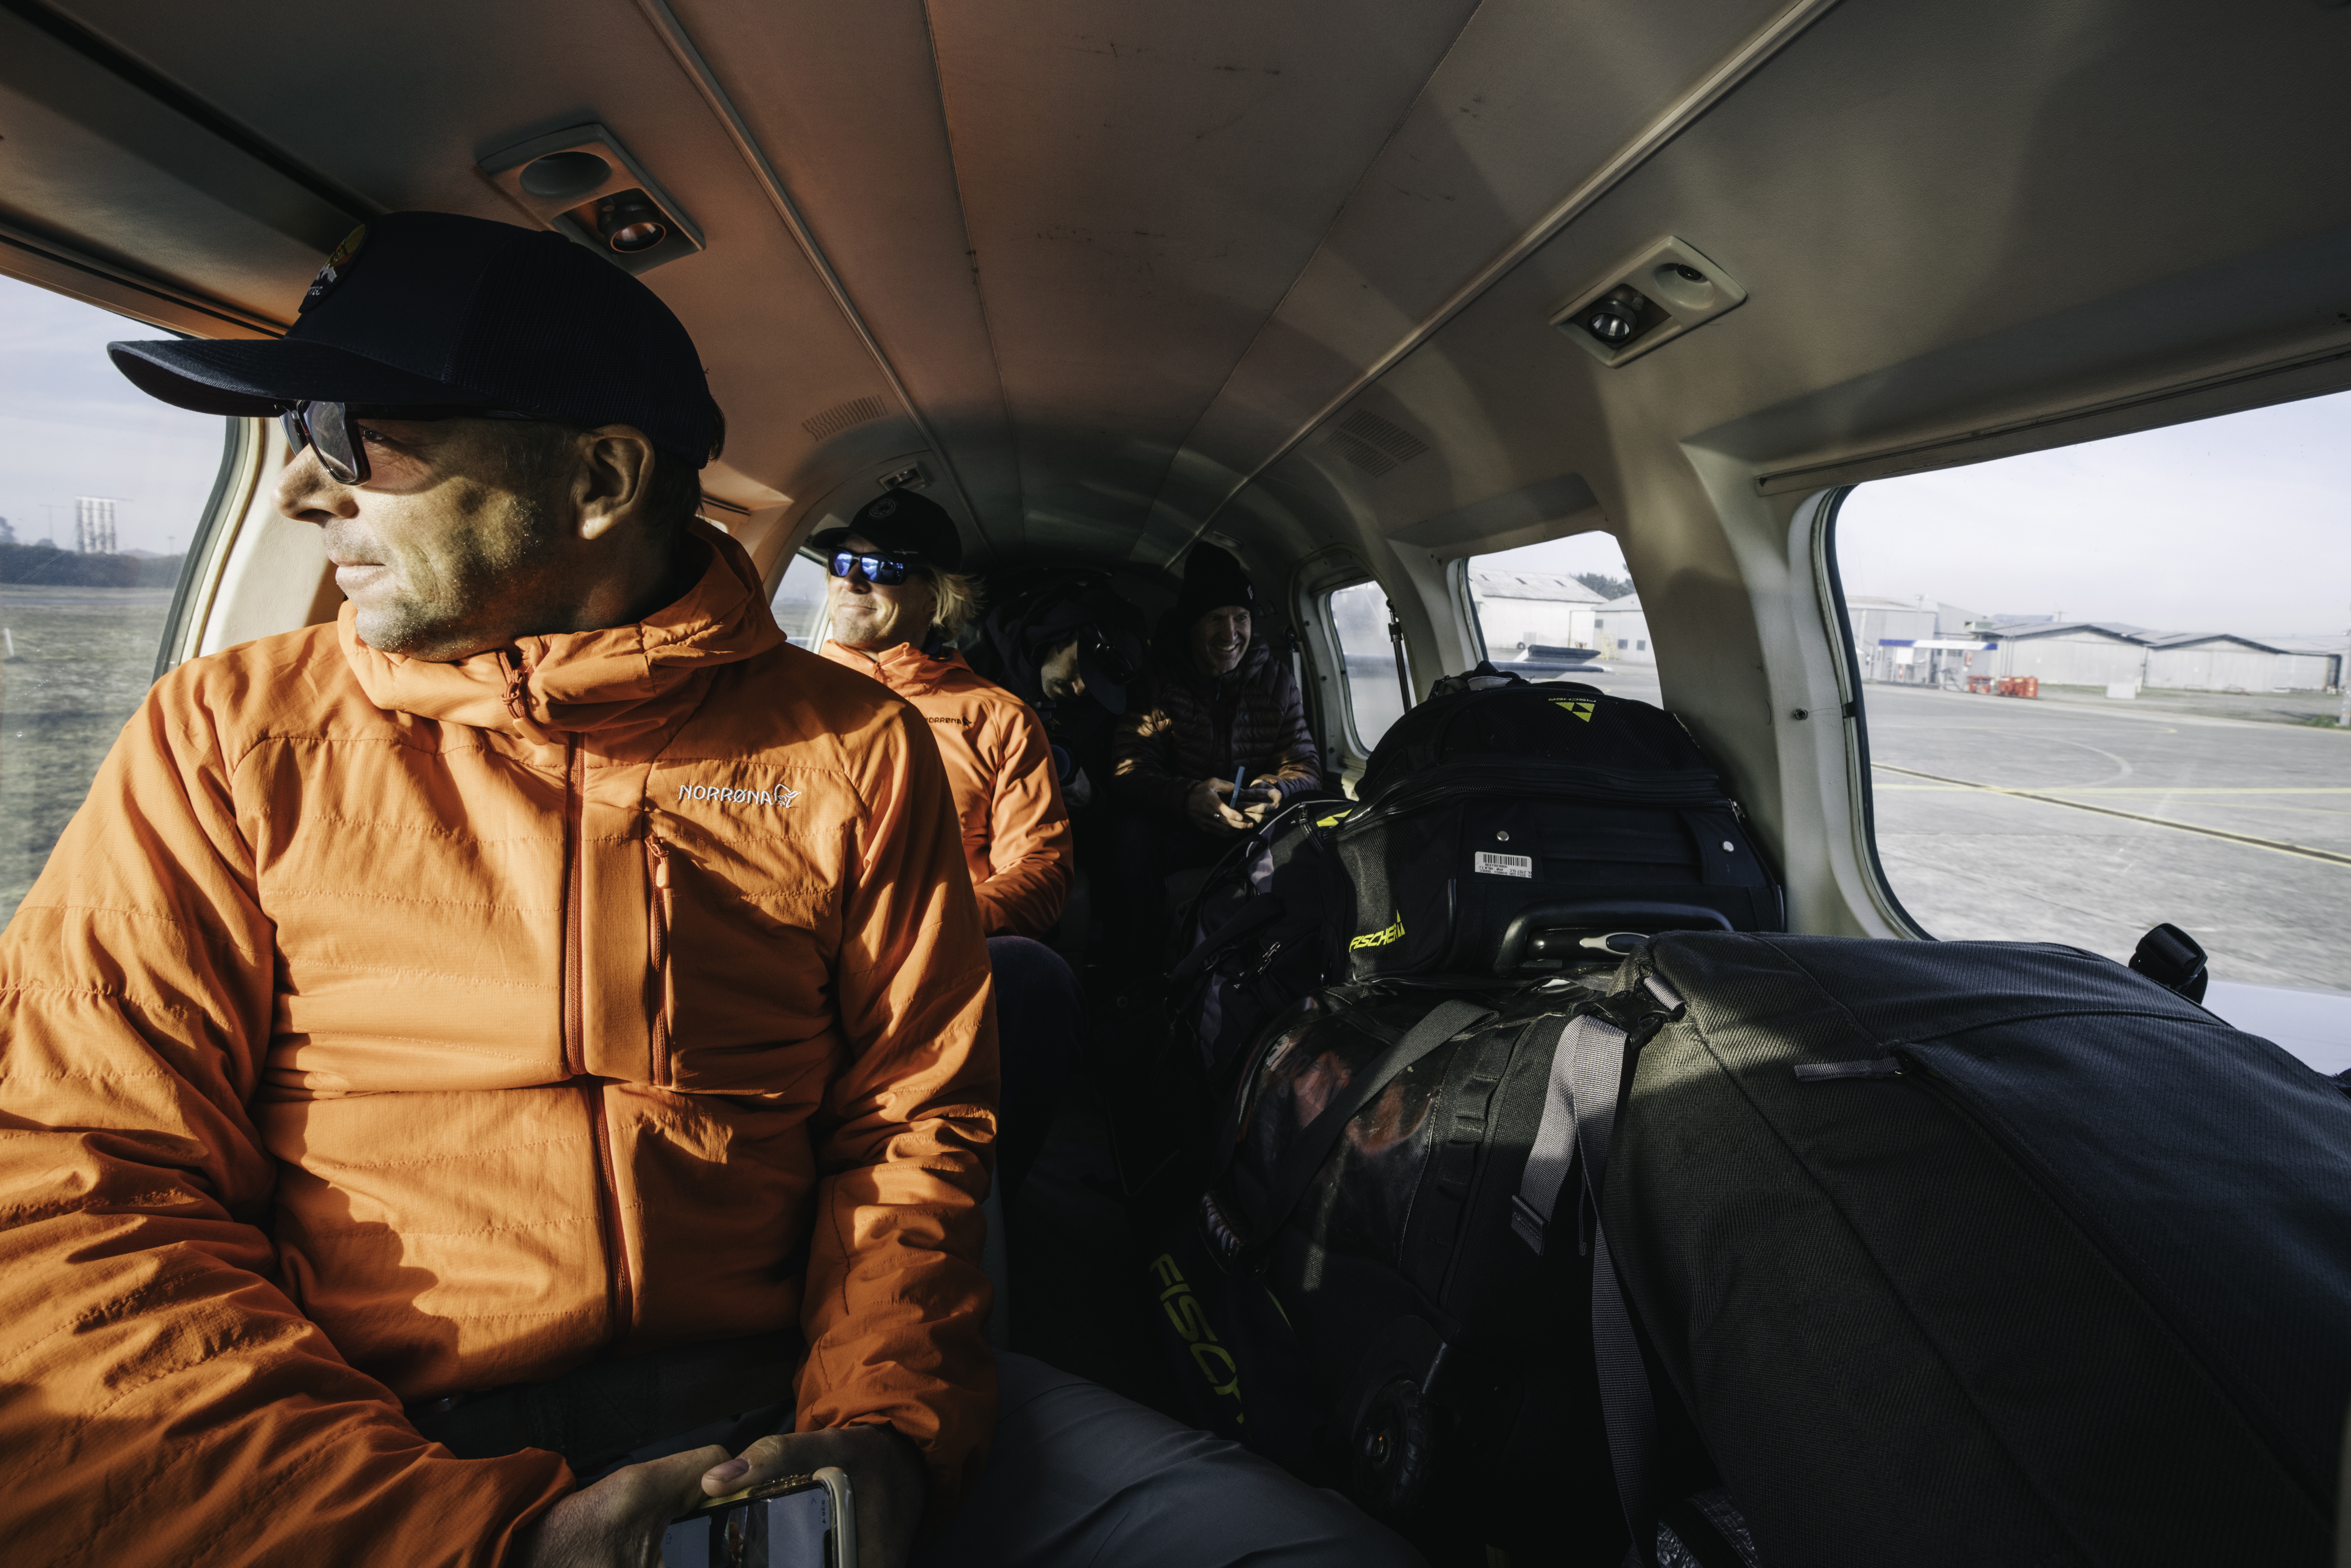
pixel 1374 445
pixel 843 416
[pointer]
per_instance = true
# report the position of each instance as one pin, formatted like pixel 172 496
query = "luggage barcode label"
pixel 1491 864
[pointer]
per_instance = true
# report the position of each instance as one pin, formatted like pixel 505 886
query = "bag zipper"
pixel 1454 782
pixel 664 1069
pixel 618 1290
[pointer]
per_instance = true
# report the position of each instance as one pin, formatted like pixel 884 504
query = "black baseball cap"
pixel 1110 641
pixel 433 309
pixel 904 524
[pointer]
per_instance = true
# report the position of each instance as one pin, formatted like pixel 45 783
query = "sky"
pixel 2237 524
pixel 70 426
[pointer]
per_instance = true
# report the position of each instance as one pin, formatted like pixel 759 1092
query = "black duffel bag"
pixel 1959 1252
pixel 1505 831
pixel 1514 830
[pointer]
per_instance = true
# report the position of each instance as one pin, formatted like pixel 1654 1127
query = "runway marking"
pixel 2275 845
pixel 2094 789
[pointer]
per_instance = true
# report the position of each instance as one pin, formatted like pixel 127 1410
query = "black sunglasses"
pixel 333 428
pixel 1117 662
pixel 887 571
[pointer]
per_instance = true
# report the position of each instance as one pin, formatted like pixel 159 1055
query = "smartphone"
pixel 800 1521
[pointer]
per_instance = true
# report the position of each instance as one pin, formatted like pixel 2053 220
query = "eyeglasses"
pixel 885 571
pixel 332 428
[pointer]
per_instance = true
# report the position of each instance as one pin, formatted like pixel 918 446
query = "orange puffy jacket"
pixel 381 1029
pixel 1016 831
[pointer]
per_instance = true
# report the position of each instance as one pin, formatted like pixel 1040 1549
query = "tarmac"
pixel 2088 822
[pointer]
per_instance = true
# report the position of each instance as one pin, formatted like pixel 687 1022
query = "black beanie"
pixel 1212 578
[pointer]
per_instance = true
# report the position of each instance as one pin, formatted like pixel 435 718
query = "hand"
pixel 618 1521
pixel 1263 798
pixel 1206 810
pixel 1079 792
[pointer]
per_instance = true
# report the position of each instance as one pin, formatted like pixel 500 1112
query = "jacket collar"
pixel 618 684
pixel 903 667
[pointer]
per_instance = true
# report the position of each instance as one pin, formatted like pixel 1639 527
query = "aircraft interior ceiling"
pixel 1122 258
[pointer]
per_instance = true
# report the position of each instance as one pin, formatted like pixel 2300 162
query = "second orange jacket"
pixel 1016 831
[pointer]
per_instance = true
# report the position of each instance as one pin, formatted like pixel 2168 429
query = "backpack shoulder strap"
pixel 1587 1086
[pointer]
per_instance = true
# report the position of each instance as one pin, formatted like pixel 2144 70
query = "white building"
pixel 2218 661
pixel 2070 653
pixel 2113 653
pixel 94 524
pixel 1913 641
pixel 1521 610
pixel 1620 630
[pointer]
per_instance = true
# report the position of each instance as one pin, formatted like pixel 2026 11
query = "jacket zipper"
pixel 664 1071
pixel 617 1289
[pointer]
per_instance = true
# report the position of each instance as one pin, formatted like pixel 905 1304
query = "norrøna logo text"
pixel 737 796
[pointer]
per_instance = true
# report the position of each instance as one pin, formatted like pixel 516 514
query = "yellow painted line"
pixel 2275 845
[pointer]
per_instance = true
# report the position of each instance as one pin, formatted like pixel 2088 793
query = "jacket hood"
pixel 618 683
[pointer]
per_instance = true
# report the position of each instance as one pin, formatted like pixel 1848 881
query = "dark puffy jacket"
pixel 1187 727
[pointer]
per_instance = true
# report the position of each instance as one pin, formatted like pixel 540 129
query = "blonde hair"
pixel 958 600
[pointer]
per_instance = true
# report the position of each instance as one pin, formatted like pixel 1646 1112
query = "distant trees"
pixel 43 565
pixel 1608 586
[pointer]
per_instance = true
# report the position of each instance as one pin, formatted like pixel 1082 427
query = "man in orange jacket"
pixel 897 598
pixel 470 1070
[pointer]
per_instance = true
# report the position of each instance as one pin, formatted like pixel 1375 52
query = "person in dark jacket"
pixel 1218 744
pixel 1069 646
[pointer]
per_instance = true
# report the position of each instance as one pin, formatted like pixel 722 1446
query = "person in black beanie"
pixel 1218 743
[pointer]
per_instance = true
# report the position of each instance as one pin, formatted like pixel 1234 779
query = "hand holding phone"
pixel 799 1521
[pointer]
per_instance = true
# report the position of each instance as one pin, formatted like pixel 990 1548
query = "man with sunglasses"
pixel 896 602
pixel 486 1074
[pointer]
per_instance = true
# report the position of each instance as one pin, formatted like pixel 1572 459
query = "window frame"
pixel 242 444
pixel 1828 582
pixel 1339 643
pixel 1311 582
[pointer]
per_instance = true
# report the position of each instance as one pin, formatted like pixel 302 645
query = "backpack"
pixel 1504 830
pixel 1263 934
pixel 1354 1313
pixel 1348 1298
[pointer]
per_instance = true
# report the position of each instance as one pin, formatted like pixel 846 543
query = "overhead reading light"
pixel 1616 317
pixel 1652 299
pixel 630 222
pixel 582 182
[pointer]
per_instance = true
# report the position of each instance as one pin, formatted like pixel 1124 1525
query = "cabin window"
pixel 102 488
pixel 2102 689
pixel 1359 619
pixel 1565 610
pixel 798 604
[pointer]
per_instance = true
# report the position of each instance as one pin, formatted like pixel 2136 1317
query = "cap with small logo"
pixel 435 310
pixel 904 524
